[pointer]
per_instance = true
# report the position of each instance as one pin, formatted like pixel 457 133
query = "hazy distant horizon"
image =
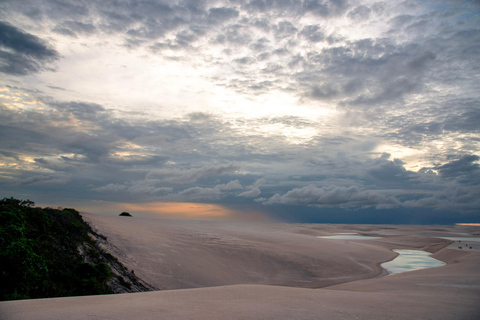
pixel 335 111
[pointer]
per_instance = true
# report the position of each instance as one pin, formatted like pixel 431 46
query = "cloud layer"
pixel 311 104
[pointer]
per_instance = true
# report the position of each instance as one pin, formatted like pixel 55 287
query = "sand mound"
pixel 172 254
pixel 449 255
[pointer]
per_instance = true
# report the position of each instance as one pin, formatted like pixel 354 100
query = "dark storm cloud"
pixel 466 121
pixel 387 170
pixel 390 186
pixel 334 196
pixel 463 199
pixel 466 165
pixel 22 53
pixel 284 29
pixel 326 91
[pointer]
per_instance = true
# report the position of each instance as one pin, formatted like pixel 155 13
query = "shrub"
pixel 39 253
pixel 125 214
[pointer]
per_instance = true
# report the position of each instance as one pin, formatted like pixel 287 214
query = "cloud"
pixel 360 13
pixel 202 99
pixel 198 194
pixel 334 196
pixel 221 14
pixel 75 28
pixel 313 33
pixel 466 121
pixel 191 175
pixel 325 8
pixel 466 167
pixel 22 53
pixel 46 180
pixel 386 170
pixel 232 185
pixel 252 193
pixel 147 186
pixel 464 199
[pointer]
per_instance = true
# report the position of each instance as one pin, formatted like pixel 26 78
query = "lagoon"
pixel 410 260
pixel 464 239
pixel 349 237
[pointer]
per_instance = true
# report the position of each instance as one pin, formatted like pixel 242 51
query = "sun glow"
pixel 167 210
pixel 181 210
pixel 412 158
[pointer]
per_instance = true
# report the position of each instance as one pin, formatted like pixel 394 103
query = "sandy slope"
pixel 187 254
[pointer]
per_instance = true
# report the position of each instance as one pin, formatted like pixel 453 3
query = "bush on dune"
pixel 40 253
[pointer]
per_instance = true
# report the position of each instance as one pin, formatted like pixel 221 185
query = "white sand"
pixel 232 268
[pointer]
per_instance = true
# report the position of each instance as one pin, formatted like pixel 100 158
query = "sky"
pixel 334 111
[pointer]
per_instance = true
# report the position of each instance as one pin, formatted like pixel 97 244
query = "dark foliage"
pixel 44 253
pixel 125 214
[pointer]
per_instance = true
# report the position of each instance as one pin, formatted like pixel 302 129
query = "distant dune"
pixel 269 271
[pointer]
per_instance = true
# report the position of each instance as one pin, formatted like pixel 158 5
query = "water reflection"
pixel 410 260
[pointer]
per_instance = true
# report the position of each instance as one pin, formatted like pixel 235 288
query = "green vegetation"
pixel 46 252
pixel 125 214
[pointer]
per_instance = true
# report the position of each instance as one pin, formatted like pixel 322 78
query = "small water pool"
pixel 410 260
pixel 463 239
pixel 348 237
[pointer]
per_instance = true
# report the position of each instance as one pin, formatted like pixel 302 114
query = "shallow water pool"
pixel 463 239
pixel 410 260
pixel 349 237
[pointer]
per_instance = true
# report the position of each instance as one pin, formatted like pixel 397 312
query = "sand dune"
pixel 266 271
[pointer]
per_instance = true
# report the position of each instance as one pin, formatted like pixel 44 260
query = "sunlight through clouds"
pixel 371 104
